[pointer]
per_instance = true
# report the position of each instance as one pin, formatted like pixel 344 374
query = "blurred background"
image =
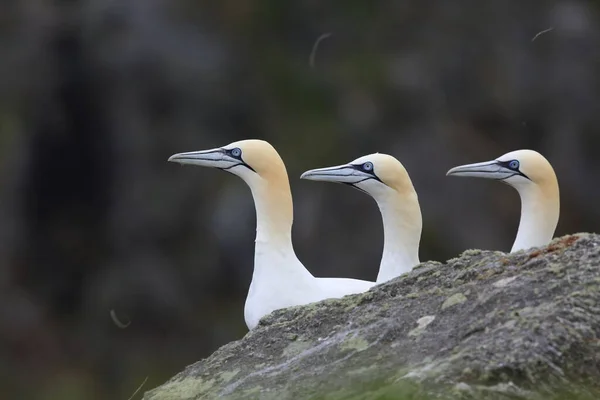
pixel 95 95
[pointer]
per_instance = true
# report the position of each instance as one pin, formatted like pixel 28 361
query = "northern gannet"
pixel 279 279
pixel 533 177
pixel 385 179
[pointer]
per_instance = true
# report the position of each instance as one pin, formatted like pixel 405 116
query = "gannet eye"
pixel 514 164
pixel 368 166
pixel 236 152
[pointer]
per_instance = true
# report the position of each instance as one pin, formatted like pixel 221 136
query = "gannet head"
pixel 252 160
pixel 385 179
pixel 534 178
pixel 521 169
pixel 376 174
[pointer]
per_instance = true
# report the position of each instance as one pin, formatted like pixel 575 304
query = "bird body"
pixel 279 279
pixel 534 179
pixel 385 179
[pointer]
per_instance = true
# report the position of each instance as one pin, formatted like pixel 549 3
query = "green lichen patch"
pixel 296 348
pixel 457 298
pixel 504 282
pixel 355 343
pixel 228 375
pixel 181 389
pixel 421 325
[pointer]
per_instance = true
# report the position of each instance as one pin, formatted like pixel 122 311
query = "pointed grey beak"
pixel 487 169
pixel 341 173
pixel 214 158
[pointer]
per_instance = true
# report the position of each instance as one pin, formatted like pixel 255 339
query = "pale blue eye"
pixel 368 166
pixel 514 164
pixel 236 152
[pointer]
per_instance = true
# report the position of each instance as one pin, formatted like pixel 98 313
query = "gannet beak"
pixel 213 158
pixel 488 169
pixel 346 173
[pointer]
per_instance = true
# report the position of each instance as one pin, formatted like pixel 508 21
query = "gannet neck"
pixel 540 209
pixel 402 225
pixel 274 251
pixel 274 211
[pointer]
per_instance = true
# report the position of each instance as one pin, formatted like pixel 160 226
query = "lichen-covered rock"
pixel 483 325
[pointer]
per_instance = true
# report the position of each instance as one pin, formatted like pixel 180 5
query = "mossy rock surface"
pixel 485 325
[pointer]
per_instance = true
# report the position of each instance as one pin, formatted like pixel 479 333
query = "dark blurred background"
pixel 95 95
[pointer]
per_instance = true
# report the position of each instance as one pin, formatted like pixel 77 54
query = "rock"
pixel 485 325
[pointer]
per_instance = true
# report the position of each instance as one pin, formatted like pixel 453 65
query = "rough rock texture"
pixel 483 325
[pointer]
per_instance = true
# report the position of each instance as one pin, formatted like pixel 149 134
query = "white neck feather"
pixel 274 215
pixel 540 208
pixel 402 225
pixel 274 253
